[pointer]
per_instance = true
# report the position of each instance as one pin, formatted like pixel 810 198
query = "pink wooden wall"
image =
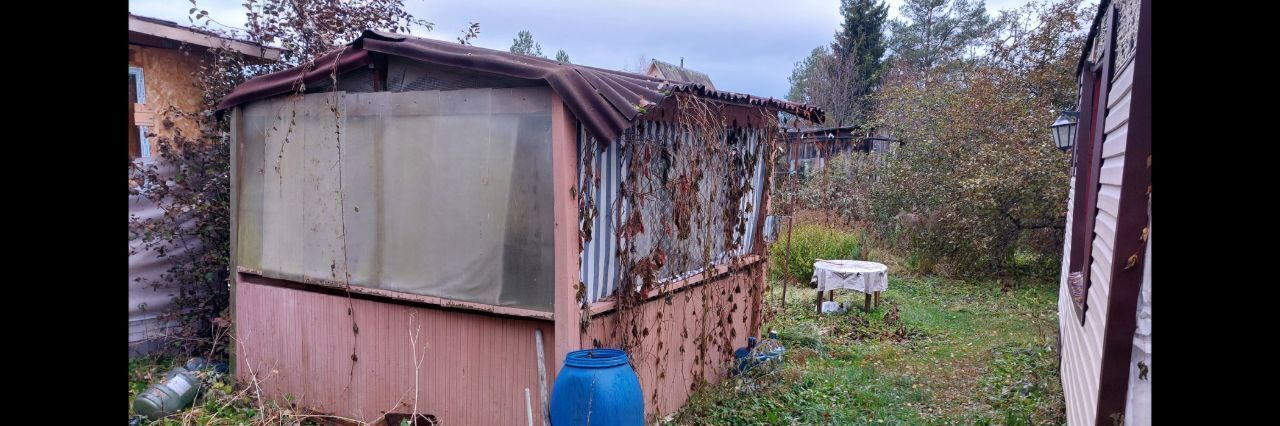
pixel 474 370
pixel 670 369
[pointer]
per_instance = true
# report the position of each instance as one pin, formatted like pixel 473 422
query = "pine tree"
pixel 841 77
pixel 524 44
pixel 804 72
pixel 562 57
pixel 936 33
pixel 859 49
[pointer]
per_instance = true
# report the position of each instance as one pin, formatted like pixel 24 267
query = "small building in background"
pixel 679 73
pixel 808 149
pixel 1104 305
pixel 164 59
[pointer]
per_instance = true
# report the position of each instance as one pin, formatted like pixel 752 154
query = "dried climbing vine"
pixel 686 195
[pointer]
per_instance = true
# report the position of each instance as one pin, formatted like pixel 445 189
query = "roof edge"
pixel 605 101
pixel 172 31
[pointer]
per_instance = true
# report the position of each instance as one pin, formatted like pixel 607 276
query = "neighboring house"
pixel 162 75
pixel 672 72
pixel 1105 298
pixel 428 205
pixel 163 61
pixel 808 149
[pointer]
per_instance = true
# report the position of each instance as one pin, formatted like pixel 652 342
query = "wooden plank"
pixel 564 159
pixel 142 115
pixel 605 306
pixel 326 286
pixel 237 126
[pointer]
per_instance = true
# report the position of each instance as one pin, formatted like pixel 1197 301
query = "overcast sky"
pixel 745 46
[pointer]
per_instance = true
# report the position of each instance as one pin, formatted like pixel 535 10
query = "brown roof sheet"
pixel 605 101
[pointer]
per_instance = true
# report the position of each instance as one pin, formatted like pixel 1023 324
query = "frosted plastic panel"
pixel 438 193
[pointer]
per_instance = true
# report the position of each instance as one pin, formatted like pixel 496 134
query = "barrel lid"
pixel 596 358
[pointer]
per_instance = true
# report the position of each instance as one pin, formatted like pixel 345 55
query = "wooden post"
pixel 866 305
pixel 542 379
pixel 564 159
pixel 237 126
pixel 877 299
pixel 786 269
pixel 826 183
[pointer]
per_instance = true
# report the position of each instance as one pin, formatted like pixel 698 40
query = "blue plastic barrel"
pixel 597 387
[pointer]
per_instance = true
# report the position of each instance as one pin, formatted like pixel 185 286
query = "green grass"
pixel 958 353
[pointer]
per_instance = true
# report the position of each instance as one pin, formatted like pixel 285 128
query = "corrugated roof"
pixel 605 101
pixel 678 73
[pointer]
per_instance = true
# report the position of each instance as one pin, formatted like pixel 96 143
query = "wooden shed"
pixel 1105 300
pixel 420 223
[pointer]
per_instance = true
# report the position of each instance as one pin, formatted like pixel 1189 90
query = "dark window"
pixel 1088 163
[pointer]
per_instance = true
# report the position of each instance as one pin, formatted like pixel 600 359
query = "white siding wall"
pixel 1082 345
pixel 1138 405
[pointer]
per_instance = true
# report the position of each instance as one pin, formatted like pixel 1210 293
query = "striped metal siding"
pixel 1082 345
pixel 599 263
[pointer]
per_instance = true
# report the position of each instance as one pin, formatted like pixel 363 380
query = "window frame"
pixel 1096 79
pixel 144 146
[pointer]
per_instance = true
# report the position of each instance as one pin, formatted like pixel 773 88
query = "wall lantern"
pixel 1064 130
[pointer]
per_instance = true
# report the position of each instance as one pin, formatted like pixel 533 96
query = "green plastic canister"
pixel 167 397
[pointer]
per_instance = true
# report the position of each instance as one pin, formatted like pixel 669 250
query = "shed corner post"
pixel 564 164
pixel 237 122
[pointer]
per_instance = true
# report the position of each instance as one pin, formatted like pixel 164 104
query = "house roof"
pixel 1093 32
pixel 154 32
pixel 605 101
pixel 679 73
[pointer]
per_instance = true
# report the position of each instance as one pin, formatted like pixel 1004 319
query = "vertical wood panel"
pixel 563 161
pixel 299 344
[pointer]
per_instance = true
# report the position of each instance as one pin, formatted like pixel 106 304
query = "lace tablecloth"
pixel 858 275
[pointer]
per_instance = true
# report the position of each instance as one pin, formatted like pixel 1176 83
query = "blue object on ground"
pixel 597 387
pixel 747 358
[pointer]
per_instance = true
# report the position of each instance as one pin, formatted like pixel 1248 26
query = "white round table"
pixel 869 278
